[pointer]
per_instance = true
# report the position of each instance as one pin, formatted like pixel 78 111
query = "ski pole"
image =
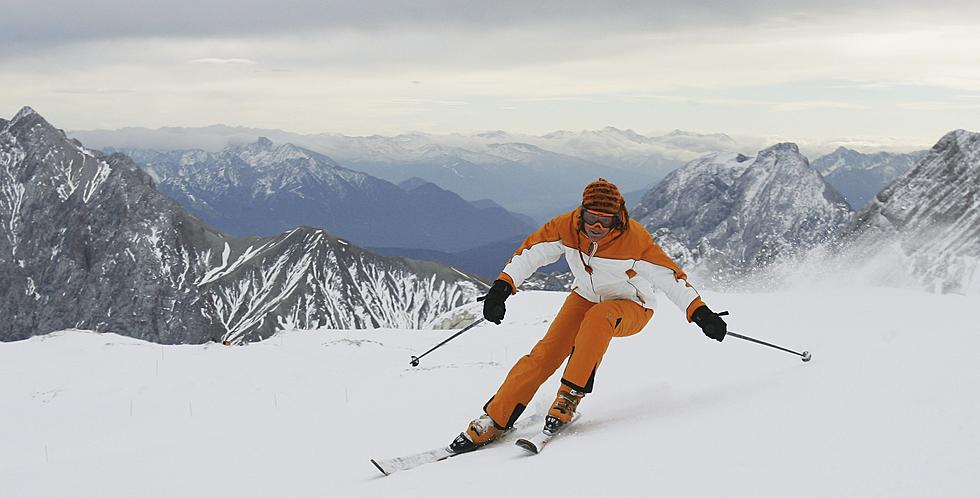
pixel 415 359
pixel 805 355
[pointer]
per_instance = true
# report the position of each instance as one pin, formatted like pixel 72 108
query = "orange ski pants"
pixel 581 332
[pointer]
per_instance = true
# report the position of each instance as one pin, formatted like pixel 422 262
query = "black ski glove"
pixel 493 302
pixel 711 324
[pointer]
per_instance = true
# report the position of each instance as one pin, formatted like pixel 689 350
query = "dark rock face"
pixel 87 241
pixel 263 188
pixel 858 177
pixel 933 214
pixel 729 213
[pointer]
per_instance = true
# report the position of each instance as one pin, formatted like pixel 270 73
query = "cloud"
pixel 27 22
pixel 93 91
pixel 938 105
pixel 816 104
pixel 219 61
pixel 422 102
pixel 322 65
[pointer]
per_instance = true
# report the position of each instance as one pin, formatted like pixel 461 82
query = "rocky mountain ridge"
pixel 728 213
pixel 932 214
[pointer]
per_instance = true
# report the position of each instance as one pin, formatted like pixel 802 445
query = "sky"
pixel 896 73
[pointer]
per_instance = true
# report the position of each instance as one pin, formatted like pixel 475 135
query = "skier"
pixel 617 266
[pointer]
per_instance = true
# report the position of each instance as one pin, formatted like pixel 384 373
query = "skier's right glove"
pixel 493 302
pixel 711 324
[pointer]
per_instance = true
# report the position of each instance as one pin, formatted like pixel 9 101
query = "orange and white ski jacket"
pixel 623 265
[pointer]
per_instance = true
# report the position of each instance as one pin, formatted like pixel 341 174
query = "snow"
pixel 101 174
pixel 884 409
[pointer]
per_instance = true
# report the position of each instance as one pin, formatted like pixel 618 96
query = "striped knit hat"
pixel 603 196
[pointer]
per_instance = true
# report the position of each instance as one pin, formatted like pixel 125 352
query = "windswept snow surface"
pixel 887 407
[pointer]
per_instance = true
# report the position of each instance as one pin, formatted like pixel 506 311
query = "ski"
pixel 459 446
pixel 388 466
pixel 536 443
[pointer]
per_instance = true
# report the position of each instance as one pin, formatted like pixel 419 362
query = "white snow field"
pixel 888 407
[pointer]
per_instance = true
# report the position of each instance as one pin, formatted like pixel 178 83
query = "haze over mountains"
pixel 88 242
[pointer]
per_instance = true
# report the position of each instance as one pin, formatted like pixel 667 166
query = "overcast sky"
pixel 890 72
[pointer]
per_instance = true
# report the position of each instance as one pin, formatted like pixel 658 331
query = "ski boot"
pixel 481 432
pixel 562 410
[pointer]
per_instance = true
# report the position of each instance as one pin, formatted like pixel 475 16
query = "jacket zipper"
pixel 592 250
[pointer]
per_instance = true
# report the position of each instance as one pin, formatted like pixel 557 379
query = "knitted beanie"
pixel 603 196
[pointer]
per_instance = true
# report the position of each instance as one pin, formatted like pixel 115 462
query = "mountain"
pixel 522 177
pixel 525 173
pixel 860 176
pixel 932 214
pixel 263 188
pixel 88 242
pixel 731 213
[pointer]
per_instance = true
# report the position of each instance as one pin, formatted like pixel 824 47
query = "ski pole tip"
pixel 415 361
pixel 806 356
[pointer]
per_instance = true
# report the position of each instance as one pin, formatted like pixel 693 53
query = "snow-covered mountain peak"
pixel 27 122
pixel 734 213
pixel 516 147
pixel 627 134
pixel 264 152
pixel 960 138
pixel 782 148
pixel 493 135
pixel 559 135
pixel 23 113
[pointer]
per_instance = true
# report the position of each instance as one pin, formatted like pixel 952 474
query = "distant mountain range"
pixel 88 242
pixel 860 176
pixel 535 175
pixel 264 188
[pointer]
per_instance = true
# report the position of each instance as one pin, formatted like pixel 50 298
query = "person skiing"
pixel 616 266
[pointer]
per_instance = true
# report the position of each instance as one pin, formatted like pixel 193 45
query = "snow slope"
pixel 887 407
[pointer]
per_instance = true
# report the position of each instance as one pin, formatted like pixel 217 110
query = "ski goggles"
pixel 604 220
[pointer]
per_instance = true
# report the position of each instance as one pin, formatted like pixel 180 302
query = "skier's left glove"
pixel 493 302
pixel 711 324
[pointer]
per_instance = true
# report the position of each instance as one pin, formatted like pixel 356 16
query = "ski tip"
pixel 527 445
pixel 379 467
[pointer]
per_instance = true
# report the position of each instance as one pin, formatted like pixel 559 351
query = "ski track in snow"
pixel 885 408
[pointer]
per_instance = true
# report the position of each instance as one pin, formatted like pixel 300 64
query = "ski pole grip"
pixel 723 313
